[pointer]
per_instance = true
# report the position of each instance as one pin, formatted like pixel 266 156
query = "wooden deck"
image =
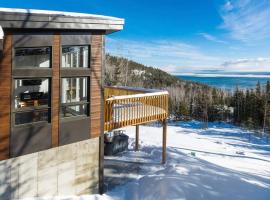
pixel 126 106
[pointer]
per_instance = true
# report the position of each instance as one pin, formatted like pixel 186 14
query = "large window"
pixel 74 97
pixel 32 57
pixel 31 100
pixel 75 56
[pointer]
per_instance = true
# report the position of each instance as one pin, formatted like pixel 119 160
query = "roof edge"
pixel 46 19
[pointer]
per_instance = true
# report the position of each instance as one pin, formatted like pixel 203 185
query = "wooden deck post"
pixel 137 138
pixel 164 141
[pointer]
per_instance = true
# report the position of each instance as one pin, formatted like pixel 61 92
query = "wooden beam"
pixel 55 89
pixel 96 63
pixel 164 141
pixel 101 138
pixel 137 138
pixel 5 97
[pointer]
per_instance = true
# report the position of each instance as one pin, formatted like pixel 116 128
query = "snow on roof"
pixel 58 13
pixel 46 19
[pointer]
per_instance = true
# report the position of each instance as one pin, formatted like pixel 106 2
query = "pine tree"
pixel 258 89
pixel 266 120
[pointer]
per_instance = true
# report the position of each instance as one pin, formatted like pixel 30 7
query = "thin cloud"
pixel 212 38
pixel 165 54
pixel 246 20
pixel 180 57
pixel 248 65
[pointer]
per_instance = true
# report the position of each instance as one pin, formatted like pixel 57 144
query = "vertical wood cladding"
pixel 96 85
pixel 96 90
pixel 5 97
pixel 55 89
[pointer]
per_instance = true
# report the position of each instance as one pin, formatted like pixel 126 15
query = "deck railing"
pixel 125 106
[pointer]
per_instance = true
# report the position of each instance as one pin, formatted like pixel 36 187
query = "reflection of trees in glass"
pixel 74 97
pixel 74 89
pixel 75 56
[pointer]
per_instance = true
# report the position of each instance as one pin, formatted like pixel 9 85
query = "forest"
pixel 190 100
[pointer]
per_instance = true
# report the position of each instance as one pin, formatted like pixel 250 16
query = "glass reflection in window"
pixel 74 97
pixel 31 116
pixel 31 93
pixel 32 57
pixel 72 111
pixel 75 56
pixel 74 89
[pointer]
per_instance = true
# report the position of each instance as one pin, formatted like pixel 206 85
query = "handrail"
pixel 133 106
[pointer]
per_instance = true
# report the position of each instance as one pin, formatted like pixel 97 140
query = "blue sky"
pixel 181 35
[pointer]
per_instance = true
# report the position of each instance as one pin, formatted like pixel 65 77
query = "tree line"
pixel 252 107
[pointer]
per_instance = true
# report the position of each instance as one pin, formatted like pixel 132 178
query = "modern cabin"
pixel 51 101
pixel 54 108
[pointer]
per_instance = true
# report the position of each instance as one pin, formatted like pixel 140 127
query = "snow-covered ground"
pixel 223 162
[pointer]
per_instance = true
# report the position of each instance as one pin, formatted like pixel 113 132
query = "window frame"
pixel 32 68
pixel 76 68
pixel 83 102
pixel 30 108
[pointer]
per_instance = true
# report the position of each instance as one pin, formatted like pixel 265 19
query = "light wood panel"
pixel 96 84
pixel 5 97
pixel 55 89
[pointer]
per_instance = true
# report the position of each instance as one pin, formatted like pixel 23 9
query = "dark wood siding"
pixel 96 84
pixel 55 89
pixel 30 139
pixel 5 97
pixel 96 88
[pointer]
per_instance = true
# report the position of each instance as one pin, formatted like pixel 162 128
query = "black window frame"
pixel 14 110
pixel 31 67
pixel 83 102
pixel 76 68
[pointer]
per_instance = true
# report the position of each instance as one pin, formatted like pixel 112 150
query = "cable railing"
pixel 125 106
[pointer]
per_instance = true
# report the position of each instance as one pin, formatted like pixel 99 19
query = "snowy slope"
pixel 223 162
pixel 229 163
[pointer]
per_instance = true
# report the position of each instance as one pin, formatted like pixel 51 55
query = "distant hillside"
pixel 187 98
pixel 120 71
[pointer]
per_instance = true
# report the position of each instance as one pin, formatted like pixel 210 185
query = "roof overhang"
pixel 42 19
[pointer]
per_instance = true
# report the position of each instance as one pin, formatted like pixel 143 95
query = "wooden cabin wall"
pixel 95 88
pixel 5 96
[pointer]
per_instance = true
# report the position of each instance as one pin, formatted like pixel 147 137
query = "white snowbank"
pixel 223 162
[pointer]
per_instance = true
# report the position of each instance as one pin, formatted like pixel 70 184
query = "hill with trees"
pixel 191 100
pixel 187 99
